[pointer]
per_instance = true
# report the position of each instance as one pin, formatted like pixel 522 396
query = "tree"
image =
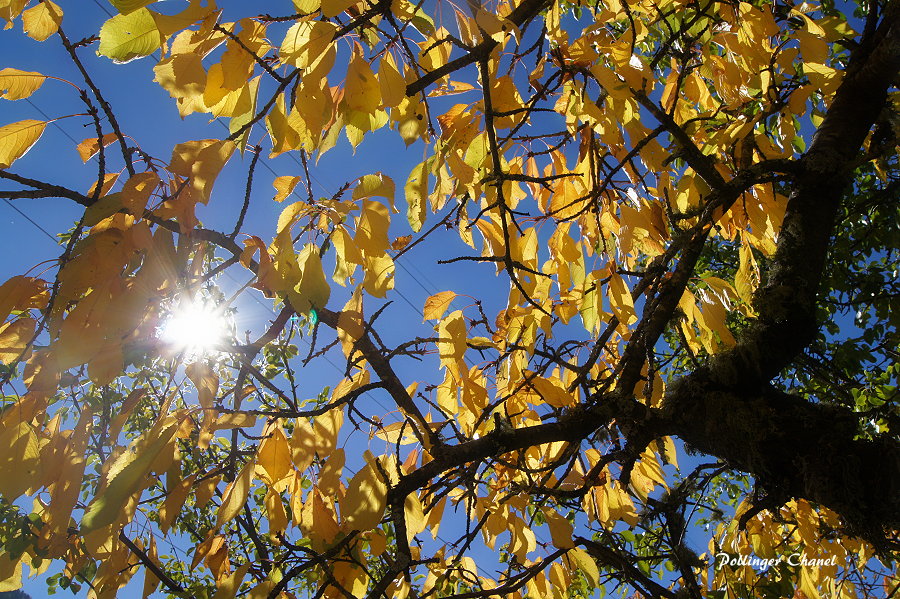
pixel 689 213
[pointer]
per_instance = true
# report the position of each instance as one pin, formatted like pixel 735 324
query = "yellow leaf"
pixel 362 92
pixel 205 380
pixel 347 256
pixel 201 161
pixel 197 10
pixel 10 572
pixel 276 514
pixel 126 37
pixel 151 582
pixel 435 514
pixel 273 457
pixel 560 529
pixel 377 184
pixel 136 192
pixel 416 191
pixel 303 445
pixel 22 293
pixel 326 429
pixel 42 20
pixel 312 290
pixel 183 76
pixel 90 146
pixel 391 83
pixel 332 8
pixel 306 7
pixel 16 84
pixel 128 474
pixel 309 45
pixel 415 517
pixel 318 521
pixel 806 584
pixel 409 115
pixel 363 505
pixel 620 300
pixel 437 304
pixel 452 340
pixel 205 490
pixel 17 138
pixel 174 502
pixel 235 495
pixel 746 280
pixel 586 564
pixel 127 6
pixel 372 228
pixel 284 186
pixel 227 587
pixel 285 128
pixel 109 363
pixel 235 420
pixel 14 337
pixel 350 323
pixel 495 26
pixel 19 460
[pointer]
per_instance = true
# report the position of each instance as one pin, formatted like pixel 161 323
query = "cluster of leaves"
pixel 638 176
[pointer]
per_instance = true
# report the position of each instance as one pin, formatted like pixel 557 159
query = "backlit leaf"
pixel 437 304
pixel 16 84
pixel 235 495
pixel 17 138
pixel 128 474
pixel 90 146
pixel 42 20
pixel 126 37
pixel 274 456
pixel 127 6
pixel 363 505
pixel 201 161
pixel 284 186
pixel 14 338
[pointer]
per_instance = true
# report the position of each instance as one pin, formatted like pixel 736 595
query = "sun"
pixel 196 328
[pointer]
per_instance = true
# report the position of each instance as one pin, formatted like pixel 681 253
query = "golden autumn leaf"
pixel 585 563
pixel 205 380
pixel 17 138
pixel 311 291
pixel 364 503
pixel 284 186
pixel 90 146
pixel 200 162
pixel 318 521
pixel 274 456
pixel 14 339
pixel 42 20
pixel 227 587
pixel 392 85
pixel 235 495
pixel 20 461
pixel 620 299
pixel 17 85
pixel 309 45
pixel 437 304
pixel 128 6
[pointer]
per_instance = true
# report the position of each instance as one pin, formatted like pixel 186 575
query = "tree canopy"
pixel 665 364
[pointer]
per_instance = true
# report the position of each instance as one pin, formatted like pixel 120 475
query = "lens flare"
pixel 196 328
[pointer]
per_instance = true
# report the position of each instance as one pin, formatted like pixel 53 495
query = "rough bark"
pixel 728 408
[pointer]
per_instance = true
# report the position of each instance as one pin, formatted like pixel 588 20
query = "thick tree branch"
pixel 728 409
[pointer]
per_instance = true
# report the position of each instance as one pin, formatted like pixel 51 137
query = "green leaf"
pixel 126 37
